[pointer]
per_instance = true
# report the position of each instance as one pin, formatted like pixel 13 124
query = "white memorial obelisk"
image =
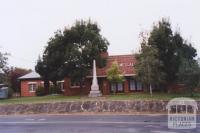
pixel 95 92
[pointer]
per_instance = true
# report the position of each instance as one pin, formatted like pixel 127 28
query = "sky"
pixel 27 25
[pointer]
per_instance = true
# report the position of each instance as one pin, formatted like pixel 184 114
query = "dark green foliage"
pixel 161 37
pixel 85 43
pixel 54 90
pixel 43 69
pixel 171 48
pixel 166 58
pixel 40 91
pixel 148 66
pixel 71 52
pixel 189 74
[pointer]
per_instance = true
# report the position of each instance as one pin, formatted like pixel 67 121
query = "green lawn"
pixel 147 96
pixel 60 98
pixel 42 99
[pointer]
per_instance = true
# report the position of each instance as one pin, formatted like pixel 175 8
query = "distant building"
pixel 31 81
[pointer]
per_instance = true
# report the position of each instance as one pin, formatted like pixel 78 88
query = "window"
pixel 139 86
pixel 117 87
pixel 75 83
pixel 113 87
pixel 32 87
pixel 120 87
pixel 135 85
pixel 132 85
pixel 61 85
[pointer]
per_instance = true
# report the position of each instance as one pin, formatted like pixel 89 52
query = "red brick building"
pixel 126 65
pixel 29 83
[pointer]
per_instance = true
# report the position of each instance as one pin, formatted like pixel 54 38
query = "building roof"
pixel 31 75
pixel 126 65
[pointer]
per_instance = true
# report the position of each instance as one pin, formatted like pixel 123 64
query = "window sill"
pixel 76 86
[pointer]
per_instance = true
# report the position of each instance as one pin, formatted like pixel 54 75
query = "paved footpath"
pixel 88 124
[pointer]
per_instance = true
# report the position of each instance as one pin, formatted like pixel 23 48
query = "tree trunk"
pixel 55 84
pixel 115 89
pixel 150 87
pixel 81 87
pixel 191 92
pixel 46 86
pixel 55 89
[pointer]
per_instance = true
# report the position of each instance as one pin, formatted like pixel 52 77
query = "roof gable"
pixel 31 75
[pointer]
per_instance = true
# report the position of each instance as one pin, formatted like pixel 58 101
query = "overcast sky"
pixel 26 25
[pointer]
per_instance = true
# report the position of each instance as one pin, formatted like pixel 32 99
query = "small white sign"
pixel 182 113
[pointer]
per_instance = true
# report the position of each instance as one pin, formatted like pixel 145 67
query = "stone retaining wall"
pixel 87 106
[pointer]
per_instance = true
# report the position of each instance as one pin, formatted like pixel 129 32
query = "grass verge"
pixel 61 98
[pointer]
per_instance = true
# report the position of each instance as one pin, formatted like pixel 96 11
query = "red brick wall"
pixel 69 90
pixel 76 90
pixel 126 86
pixel 25 89
pixel 104 87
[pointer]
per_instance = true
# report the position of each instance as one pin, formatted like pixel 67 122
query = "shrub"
pixel 54 90
pixel 40 91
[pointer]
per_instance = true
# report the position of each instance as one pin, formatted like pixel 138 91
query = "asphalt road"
pixel 89 124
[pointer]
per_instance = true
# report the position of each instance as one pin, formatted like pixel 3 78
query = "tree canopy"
pixel 163 56
pixel 171 48
pixel 189 74
pixel 71 52
pixel 85 44
pixel 148 66
pixel 114 74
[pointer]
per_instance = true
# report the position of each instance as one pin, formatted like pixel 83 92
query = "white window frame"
pixel 62 82
pixel 139 86
pixel 76 86
pixel 132 85
pixel 32 88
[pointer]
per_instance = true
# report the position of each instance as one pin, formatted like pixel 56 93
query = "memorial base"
pixel 95 93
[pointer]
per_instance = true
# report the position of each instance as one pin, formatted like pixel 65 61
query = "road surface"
pixel 88 124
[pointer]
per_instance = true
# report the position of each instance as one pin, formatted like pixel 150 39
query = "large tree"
pixel 163 55
pixel 171 47
pixel 70 53
pixel 43 69
pixel 148 66
pixel 84 43
pixel 51 65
